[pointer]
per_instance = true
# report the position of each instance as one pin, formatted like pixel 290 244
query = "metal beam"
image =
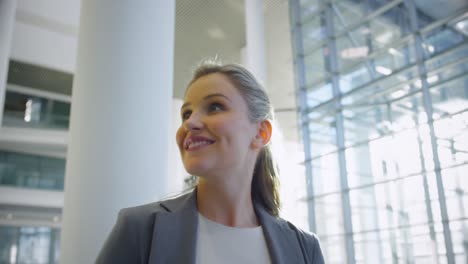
pixel 299 64
pixel 331 60
pixel 427 100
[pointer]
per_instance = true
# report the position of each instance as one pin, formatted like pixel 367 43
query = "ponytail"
pixel 265 182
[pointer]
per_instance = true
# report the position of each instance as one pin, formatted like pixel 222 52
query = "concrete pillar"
pixel 255 58
pixel 7 21
pixel 120 118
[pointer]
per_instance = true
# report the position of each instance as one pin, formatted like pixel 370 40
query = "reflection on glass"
pixel 22 110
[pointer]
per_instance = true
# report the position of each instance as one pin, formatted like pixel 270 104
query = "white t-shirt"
pixel 217 243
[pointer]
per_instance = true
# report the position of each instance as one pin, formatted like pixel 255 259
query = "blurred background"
pixel 370 96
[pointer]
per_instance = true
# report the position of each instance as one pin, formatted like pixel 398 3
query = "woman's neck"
pixel 226 202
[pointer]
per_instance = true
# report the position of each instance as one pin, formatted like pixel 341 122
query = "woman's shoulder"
pixel 308 237
pixel 130 238
pixel 145 211
pixel 150 208
pixel 308 241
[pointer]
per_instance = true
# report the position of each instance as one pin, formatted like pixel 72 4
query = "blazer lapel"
pixel 175 232
pixel 282 242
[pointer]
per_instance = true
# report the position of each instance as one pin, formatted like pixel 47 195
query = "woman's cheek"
pixel 180 135
pixel 220 128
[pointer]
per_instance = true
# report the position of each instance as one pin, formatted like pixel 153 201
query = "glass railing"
pixel 27 107
pixel 29 244
pixel 31 171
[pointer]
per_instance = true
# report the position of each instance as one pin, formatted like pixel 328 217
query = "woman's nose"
pixel 193 122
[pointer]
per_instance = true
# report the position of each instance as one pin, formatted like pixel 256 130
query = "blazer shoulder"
pixel 145 211
pixel 130 239
pixel 141 212
pixel 310 244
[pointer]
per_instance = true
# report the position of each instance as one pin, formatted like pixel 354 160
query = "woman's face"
pixel 216 134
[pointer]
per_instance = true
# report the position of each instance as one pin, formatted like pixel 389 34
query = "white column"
pixel 7 21
pixel 120 118
pixel 255 38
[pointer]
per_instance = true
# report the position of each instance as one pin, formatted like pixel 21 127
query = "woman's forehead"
pixel 214 83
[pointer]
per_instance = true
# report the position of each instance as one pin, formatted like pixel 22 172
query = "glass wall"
pixel 25 108
pixel 28 244
pixel 37 97
pixel 383 101
pixel 31 171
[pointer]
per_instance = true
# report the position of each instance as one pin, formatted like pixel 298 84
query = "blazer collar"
pixel 281 240
pixel 175 233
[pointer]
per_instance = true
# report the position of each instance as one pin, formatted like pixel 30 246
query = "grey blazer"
pixel 166 232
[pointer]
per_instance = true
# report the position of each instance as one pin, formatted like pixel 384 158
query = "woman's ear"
pixel 263 134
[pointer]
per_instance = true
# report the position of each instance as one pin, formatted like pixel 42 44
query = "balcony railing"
pixel 33 108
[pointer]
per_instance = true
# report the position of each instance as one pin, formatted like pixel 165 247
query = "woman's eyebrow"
pixel 208 97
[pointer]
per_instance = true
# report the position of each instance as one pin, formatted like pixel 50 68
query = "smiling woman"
pixel 232 214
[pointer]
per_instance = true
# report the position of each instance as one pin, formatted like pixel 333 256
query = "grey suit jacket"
pixel 166 232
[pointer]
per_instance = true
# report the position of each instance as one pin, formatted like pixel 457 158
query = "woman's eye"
pixel 186 115
pixel 215 107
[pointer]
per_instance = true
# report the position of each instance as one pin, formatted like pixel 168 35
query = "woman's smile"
pixel 197 142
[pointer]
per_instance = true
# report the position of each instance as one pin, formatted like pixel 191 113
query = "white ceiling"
pixel 203 28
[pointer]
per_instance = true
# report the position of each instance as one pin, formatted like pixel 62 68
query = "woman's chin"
pixel 197 169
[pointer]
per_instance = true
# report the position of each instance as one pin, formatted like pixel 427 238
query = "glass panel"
pixel 452 140
pixel 381 31
pixel 367 118
pixel 460 240
pixel 8 244
pixel 456 191
pixel 400 202
pixel 328 215
pixel 449 56
pixel 314 65
pixel 325 173
pixel 359 166
pixel 319 94
pixel 450 97
pixel 371 247
pixel 383 72
pixel 34 245
pixel 22 110
pixel 440 39
pixel 308 7
pixel 31 171
pixel 333 249
pixel 322 129
pixel 346 14
pixel 380 60
pixel 312 32
pixel 29 244
pixel 441 250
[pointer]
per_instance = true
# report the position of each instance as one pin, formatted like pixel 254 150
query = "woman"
pixel 232 214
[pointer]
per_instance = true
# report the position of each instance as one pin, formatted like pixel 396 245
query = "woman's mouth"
pixel 197 142
pixel 198 145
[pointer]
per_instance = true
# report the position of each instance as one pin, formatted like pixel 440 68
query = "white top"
pixel 217 243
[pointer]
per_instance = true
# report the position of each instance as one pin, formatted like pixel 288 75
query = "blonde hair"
pixel 265 182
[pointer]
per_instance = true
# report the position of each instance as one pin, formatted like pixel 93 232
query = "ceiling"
pixel 203 29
